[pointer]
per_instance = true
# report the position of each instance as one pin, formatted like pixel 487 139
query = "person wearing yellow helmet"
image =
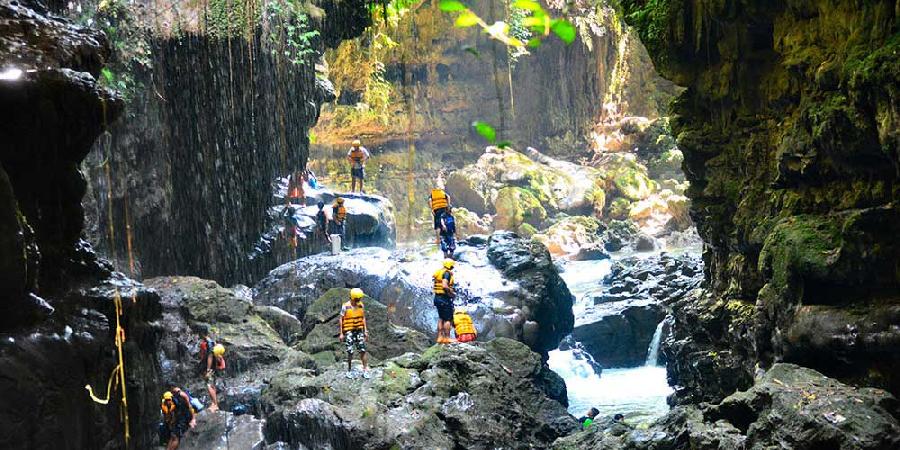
pixel 213 359
pixel 357 157
pixel 443 300
pixel 352 330
pixel 178 416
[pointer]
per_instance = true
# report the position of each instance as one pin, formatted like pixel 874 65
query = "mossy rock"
pixel 516 206
pixel 633 183
pixel 619 209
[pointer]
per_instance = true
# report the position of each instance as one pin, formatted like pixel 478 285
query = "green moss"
pixel 516 206
pixel 805 246
pixel 526 230
pixel 619 208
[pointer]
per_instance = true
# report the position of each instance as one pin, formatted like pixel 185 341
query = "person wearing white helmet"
pixel 357 157
pixel 353 331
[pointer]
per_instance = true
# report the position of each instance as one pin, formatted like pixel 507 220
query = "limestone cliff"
pixel 789 131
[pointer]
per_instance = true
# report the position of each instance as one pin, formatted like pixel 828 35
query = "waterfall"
pixel 653 349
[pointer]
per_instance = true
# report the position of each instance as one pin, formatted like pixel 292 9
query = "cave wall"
pixel 57 299
pixel 188 168
pixel 789 128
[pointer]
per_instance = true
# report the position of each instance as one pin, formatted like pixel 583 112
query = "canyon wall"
pixel 789 128
pixel 219 110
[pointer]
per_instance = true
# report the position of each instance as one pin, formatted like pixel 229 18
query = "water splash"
pixel 653 348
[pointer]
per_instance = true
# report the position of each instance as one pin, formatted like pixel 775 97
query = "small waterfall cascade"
pixel 653 348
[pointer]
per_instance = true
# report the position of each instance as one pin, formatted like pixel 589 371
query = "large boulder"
pixel 386 340
pixel 511 287
pixel 458 396
pixel 618 334
pixel 224 431
pixel 547 302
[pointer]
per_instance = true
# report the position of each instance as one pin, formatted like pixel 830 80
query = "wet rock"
pixel 619 334
pixel 285 324
pixel 386 340
pixel 546 296
pixel 446 397
pixel 505 286
pixel 223 431
pixel 370 218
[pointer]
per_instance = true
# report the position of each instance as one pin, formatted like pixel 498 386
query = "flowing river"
pixel 639 393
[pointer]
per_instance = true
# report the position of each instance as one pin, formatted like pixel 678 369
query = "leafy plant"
pixel 290 33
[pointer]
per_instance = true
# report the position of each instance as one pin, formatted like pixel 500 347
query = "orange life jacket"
pixel 357 155
pixel 353 317
pixel 339 213
pixel 439 199
pixel 439 281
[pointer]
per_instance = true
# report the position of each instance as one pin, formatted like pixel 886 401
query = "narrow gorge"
pixel 674 224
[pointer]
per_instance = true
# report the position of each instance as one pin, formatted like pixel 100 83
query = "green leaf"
pixel 528 5
pixel 466 19
pixel 485 130
pixel 451 5
pixel 504 144
pixel 107 75
pixel 534 42
pixel 564 29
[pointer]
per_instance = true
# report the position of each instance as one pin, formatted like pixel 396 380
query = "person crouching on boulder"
pixel 215 368
pixel 463 326
pixel 178 416
pixel 443 300
pixel 353 331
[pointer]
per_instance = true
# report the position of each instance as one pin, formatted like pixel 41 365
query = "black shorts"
pixel 337 228
pixel 444 307
pixel 358 172
pixel 438 214
pixel 178 429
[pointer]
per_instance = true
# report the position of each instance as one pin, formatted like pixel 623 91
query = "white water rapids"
pixel 639 393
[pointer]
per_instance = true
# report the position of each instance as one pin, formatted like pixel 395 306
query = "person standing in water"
pixel 353 331
pixel 357 157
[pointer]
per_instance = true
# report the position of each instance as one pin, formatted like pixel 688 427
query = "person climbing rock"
pixel 588 418
pixel 440 202
pixel 463 326
pixel 353 331
pixel 448 233
pixel 295 194
pixel 178 416
pixel 357 157
pixel 338 219
pixel 291 225
pixel 322 222
pixel 443 300
pixel 215 369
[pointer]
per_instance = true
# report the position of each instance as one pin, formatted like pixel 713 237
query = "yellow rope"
pixel 119 369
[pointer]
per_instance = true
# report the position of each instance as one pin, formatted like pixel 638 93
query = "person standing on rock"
pixel 353 331
pixel 357 157
pixel 322 221
pixel 178 416
pixel 440 203
pixel 338 218
pixel 215 368
pixel 443 300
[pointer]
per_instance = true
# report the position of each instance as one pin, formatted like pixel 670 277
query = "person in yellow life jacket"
pixel 215 368
pixel 463 326
pixel 353 331
pixel 178 416
pixel 439 201
pixel 338 219
pixel 443 300
pixel 357 157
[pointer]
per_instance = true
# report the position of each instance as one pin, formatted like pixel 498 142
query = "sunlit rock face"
pixel 57 300
pixel 213 120
pixel 789 133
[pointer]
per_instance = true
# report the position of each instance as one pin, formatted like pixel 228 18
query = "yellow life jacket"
pixel 340 213
pixel 462 322
pixel 353 317
pixel 357 155
pixel 438 281
pixel 439 199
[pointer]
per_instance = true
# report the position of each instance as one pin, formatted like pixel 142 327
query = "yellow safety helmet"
pixel 357 293
pixel 356 143
pixel 449 263
pixel 219 350
pixel 339 200
pixel 167 395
